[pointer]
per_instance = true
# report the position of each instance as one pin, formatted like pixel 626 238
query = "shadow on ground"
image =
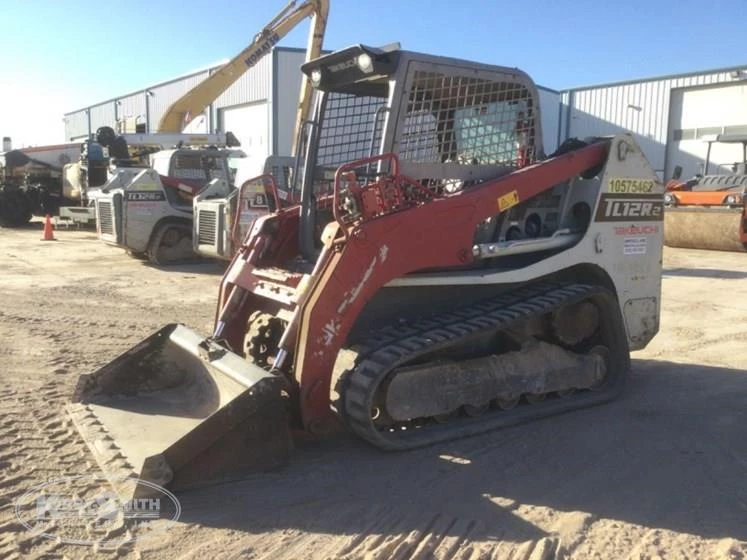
pixel 705 273
pixel 30 226
pixel 203 266
pixel 670 453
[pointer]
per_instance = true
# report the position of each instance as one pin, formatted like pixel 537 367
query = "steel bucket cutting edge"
pixel 179 412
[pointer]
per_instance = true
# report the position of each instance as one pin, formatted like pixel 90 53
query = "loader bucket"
pixel 704 228
pixel 178 412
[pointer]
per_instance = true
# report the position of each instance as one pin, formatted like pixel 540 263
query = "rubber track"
pixel 397 345
pixel 159 256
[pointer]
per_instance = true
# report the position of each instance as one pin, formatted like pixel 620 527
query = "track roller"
pixel 418 397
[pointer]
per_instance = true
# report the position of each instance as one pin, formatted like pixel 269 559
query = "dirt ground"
pixel 660 473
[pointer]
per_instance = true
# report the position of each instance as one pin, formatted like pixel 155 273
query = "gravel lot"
pixel 660 473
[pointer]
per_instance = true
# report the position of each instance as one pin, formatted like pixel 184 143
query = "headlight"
pixel 733 199
pixel 316 77
pixel 670 199
pixel 365 63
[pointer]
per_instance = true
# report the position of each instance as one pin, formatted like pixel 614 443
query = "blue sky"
pixel 59 56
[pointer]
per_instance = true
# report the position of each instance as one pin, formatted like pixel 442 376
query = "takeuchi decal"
pixel 637 230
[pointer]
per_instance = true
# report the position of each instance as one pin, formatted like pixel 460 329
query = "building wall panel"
pixel 76 125
pixel 699 113
pixel 250 123
pixel 549 103
pixel 132 106
pixel 164 95
pixel 641 107
pixel 103 115
pixel 287 87
pixel 253 85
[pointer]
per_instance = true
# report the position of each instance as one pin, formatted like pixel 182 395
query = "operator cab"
pixel 187 171
pixel 452 124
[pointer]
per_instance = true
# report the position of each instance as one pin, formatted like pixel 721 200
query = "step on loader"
pixel 440 277
pixel 709 211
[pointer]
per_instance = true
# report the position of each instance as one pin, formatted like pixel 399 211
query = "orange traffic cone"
pixel 48 233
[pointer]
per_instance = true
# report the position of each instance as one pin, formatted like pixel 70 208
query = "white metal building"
pixel 670 116
pixel 259 109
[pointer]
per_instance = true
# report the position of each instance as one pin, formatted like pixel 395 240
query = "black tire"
pixel 140 255
pixel 171 244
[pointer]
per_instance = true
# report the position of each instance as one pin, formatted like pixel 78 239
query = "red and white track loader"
pixel 441 277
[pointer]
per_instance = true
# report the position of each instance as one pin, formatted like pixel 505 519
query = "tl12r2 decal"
pixel 150 196
pixel 630 208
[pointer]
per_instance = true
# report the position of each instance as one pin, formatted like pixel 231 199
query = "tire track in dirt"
pixel 61 317
pixel 440 537
pixel 38 444
pixel 112 304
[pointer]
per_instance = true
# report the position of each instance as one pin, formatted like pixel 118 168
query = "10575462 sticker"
pixel 630 185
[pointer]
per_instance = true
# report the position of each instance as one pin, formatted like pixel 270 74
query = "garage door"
pixel 699 113
pixel 251 125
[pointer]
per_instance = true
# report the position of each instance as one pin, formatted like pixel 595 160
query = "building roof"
pixel 203 70
pixel 742 68
pixel 171 81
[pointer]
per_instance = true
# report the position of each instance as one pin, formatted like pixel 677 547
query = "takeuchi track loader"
pixel 223 217
pixel 148 210
pixel 440 277
pixel 709 211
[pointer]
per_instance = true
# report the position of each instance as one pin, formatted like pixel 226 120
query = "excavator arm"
pixel 194 102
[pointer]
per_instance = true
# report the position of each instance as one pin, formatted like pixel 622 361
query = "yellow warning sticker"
pixel 508 200
pixel 630 185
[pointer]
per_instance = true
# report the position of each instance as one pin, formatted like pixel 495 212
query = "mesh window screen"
pixel 466 120
pixel 350 122
pixel 198 167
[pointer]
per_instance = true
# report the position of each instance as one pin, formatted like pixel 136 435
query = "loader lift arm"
pixel 409 238
pixel 194 102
